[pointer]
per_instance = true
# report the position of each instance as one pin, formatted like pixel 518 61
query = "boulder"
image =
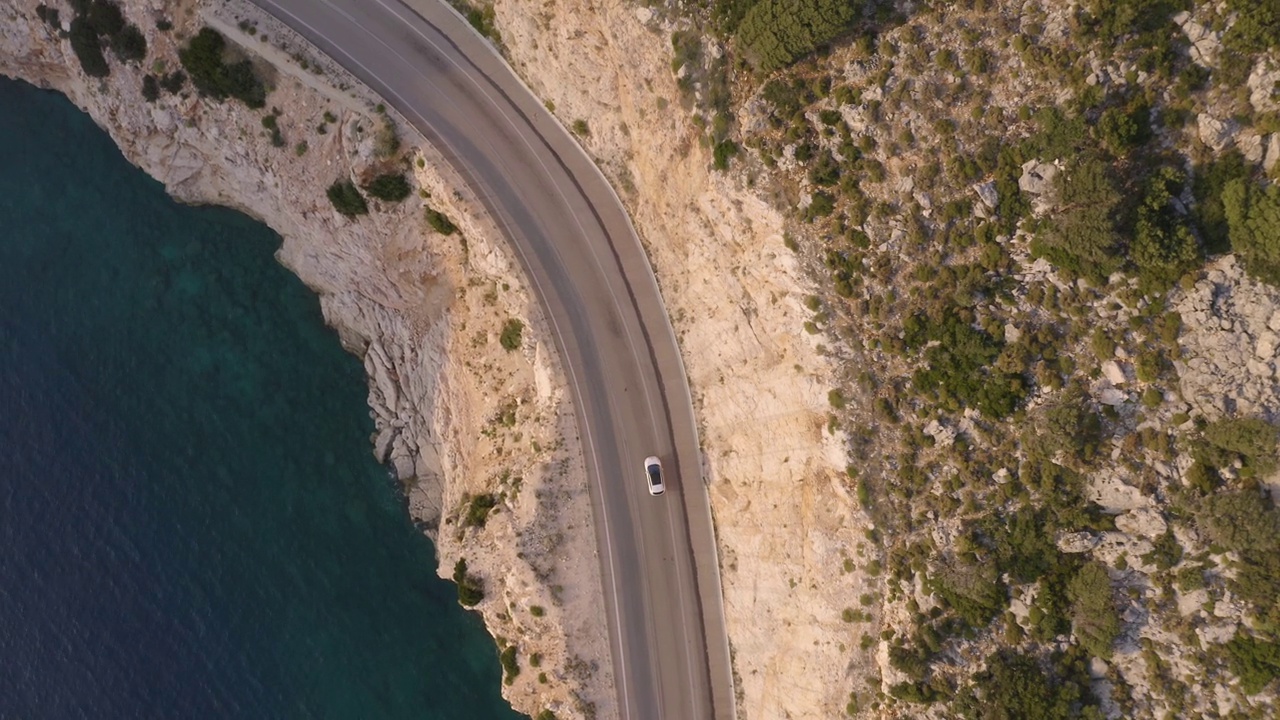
pixel 1142 522
pixel 1216 634
pixel 1214 132
pixel 1111 396
pixel 1250 145
pixel 1037 177
pixel 1078 542
pixel 1273 152
pixel 942 435
pixel 1265 349
pixel 1113 372
pixel 987 193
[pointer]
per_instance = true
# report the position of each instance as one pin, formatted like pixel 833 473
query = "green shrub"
pixel 510 668
pixel 88 49
pixel 1163 247
pixel 129 44
pixel 150 88
pixel 482 18
pixel 173 82
pixel 511 334
pixel 822 205
pixel 580 128
pixel 1253 222
pixel 1254 661
pixel 775 33
pixel 391 187
pixel 202 58
pixel 346 199
pixel 724 151
pixel 440 222
pixel 1210 213
pixel 1121 129
pixel 1257 28
pixel 825 171
pixel 958 367
pixel 536 611
pixel 49 16
pixel 1070 427
pixel 387 142
pixel 470 587
pixel 1093 610
pixel 1013 686
pixel 1083 239
pixel 1253 439
pixel 105 17
pixel 973 591
pixel 1165 552
pixel 478 509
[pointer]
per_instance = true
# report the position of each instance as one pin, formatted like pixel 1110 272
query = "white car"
pixel 653 474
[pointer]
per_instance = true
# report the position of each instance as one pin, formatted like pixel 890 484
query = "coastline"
pixel 455 413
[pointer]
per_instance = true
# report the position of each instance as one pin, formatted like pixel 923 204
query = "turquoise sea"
pixel 191 522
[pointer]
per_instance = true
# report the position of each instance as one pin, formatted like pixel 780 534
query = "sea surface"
pixel 191 522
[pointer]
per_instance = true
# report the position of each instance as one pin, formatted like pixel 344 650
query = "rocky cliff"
pixel 462 411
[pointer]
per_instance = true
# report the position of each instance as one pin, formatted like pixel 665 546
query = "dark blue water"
pixel 191 522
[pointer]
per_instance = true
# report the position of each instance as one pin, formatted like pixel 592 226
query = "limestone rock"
pixel 1216 634
pixel 1112 371
pixel 1262 83
pixel 1113 397
pixel 1230 342
pixel 1078 542
pixel 1214 132
pixel 987 194
pixel 1250 145
pixel 1273 152
pixel 1144 522
pixel 942 435
pixel 1206 44
pixel 1037 177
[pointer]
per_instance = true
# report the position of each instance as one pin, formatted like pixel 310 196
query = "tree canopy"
pixel 775 33
pixel 1253 223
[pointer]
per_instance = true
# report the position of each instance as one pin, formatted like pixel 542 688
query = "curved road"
pixel 575 241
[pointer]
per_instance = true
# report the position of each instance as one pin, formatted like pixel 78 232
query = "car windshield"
pixel 655 475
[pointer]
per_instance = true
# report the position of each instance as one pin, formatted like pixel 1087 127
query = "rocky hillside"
pixel 1045 237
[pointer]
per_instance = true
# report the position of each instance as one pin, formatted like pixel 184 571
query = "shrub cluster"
pixel 510 668
pixel 470 587
pixel 1253 221
pixel 478 509
pixel 346 198
pixel 775 33
pixel 392 187
pixel 440 222
pixel 98 23
pixel 511 334
pixel 957 367
pixel 203 58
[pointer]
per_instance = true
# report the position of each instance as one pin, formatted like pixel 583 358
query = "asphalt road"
pixel 575 241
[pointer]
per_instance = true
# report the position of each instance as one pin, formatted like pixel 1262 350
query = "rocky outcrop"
pixel 456 414
pixel 1230 343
